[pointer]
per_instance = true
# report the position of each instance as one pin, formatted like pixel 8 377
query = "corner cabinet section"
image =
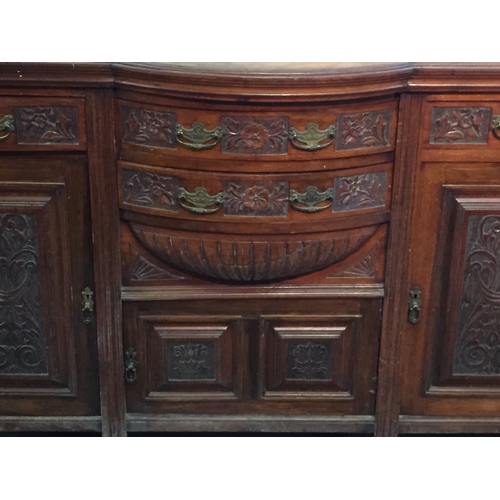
pixel 313 357
pixel 47 343
pixel 452 354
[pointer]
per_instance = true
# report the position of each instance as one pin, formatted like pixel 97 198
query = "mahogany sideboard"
pixel 250 247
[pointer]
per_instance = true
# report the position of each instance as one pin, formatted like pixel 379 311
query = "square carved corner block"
pixel 308 358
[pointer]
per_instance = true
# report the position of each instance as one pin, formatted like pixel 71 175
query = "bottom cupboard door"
pixel 451 354
pixel 300 356
pixel 47 347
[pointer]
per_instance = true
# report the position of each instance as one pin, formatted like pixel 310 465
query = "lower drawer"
pixel 294 357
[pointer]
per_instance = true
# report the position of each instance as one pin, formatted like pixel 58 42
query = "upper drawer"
pixel 42 123
pixel 278 134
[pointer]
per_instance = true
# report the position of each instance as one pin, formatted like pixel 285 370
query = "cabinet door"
pixel 47 352
pixel 451 356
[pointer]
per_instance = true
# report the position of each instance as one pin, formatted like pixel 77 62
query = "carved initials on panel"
pixel 22 331
pixel 477 351
pixel 191 361
pixel 460 125
pixel 47 125
pixel 255 135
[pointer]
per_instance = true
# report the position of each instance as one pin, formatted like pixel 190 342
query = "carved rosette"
pixel 145 189
pixel 147 127
pixel 360 191
pixel 47 125
pixel 460 125
pixel 244 135
pixel 477 349
pixel 249 258
pixel 363 130
pixel 256 199
pixel 309 361
pixel 22 331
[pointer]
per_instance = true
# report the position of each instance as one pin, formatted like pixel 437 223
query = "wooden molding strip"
pixel 50 424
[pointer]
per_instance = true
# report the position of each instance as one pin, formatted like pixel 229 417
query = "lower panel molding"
pixel 363 424
pixel 50 424
pixel 409 424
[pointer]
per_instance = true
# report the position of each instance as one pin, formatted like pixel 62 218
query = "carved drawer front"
pixel 251 357
pixel 41 123
pixel 226 198
pixel 280 134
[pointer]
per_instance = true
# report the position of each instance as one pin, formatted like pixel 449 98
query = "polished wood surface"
pixel 250 233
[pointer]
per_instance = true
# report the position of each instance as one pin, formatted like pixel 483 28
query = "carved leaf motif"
pixel 477 350
pixel 22 334
pixel 362 130
pixel 308 361
pixel 191 361
pixel 360 191
pixel 460 125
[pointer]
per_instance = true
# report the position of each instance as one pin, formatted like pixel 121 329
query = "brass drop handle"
pixel 199 201
pixel 311 138
pixel 414 305
pixel 130 365
pixel 88 306
pixel 495 128
pixel 198 136
pixel 308 202
pixel 7 124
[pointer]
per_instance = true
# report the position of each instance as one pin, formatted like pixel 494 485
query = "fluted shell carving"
pixel 248 258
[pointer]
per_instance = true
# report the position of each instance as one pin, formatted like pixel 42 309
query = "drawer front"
pixel 250 199
pixel 282 134
pixel 42 123
pixel 252 357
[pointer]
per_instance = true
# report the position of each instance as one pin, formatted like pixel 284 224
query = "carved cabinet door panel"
pixel 300 357
pixel 47 351
pixel 451 354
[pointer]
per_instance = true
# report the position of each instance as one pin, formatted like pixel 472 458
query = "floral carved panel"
pixel 363 130
pixel 477 349
pixel 256 199
pixel 255 135
pixel 146 189
pixel 460 125
pixel 309 361
pixel 358 192
pixel 190 361
pixel 47 125
pixel 22 330
pixel 147 127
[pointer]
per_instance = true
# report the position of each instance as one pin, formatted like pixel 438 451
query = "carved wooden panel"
pixel 22 328
pixel 466 125
pixel 47 354
pixel 358 192
pixel 364 267
pixel 47 125
pixel 142 269
pixel 477 349
pixel 363 130
pixel 145 189
pixel 244 135
pixel 256 198
pixel 242 258
pixel 186 358
pixel 147 127
pixel 308 357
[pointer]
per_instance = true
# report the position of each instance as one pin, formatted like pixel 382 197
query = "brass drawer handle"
pixel 200 201
pixel 7 124
pixel 307 202
pixel 198 136
pixel 495 129
pixel 310 139
pixel 130 365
